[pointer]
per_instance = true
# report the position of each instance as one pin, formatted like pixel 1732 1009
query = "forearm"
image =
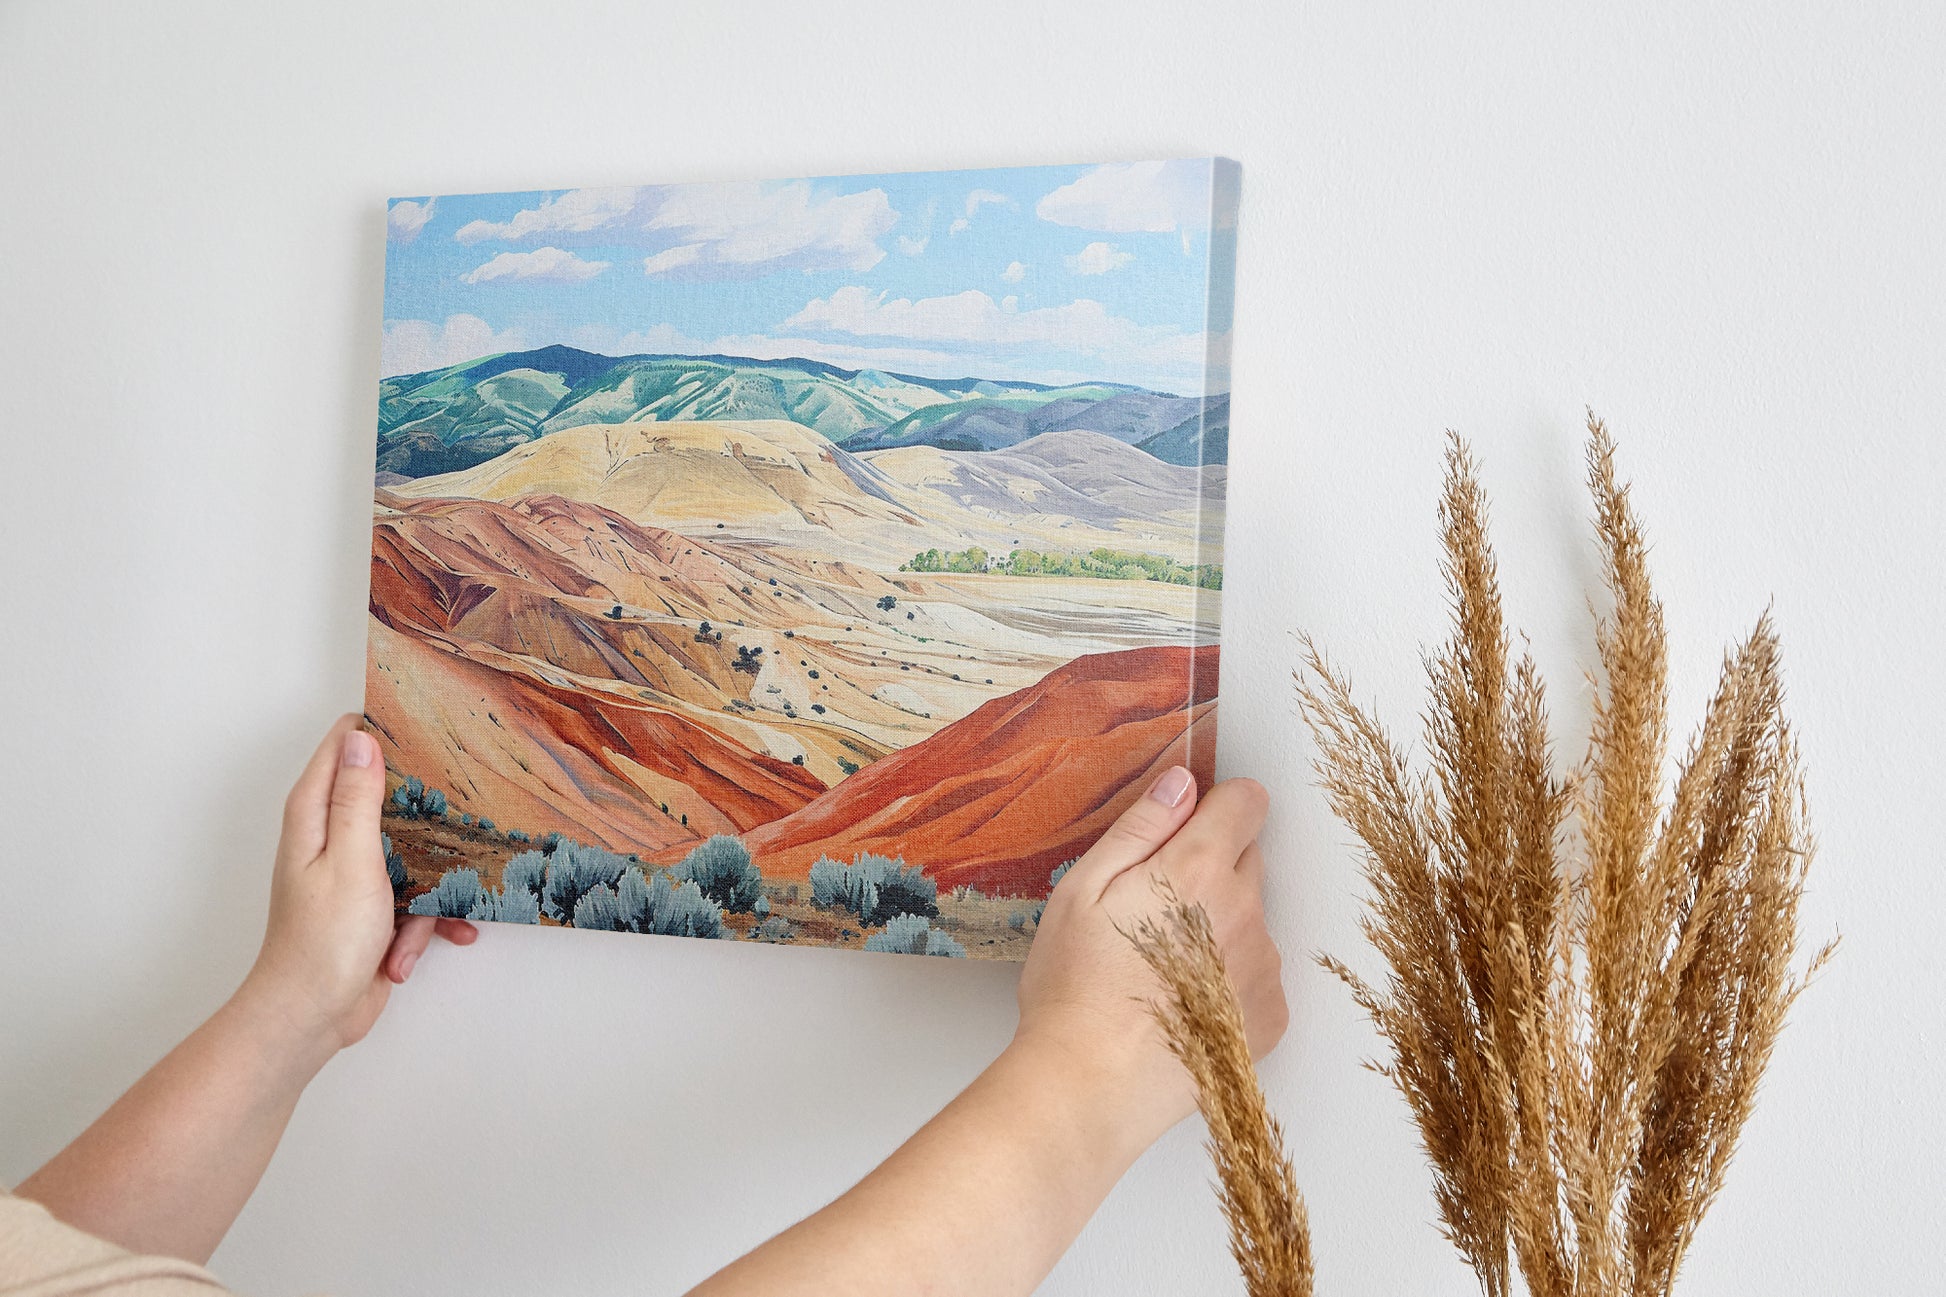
pixel 982 1200
pixel 168 1167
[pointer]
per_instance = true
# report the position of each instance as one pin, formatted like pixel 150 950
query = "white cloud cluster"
pixel 552 264
pixel 972 318
pixel 683 254
pixel 405 218
pixel 980 198
pixel 1133 197
pixel 414 346
pixel 1098 259
pixel 720 230
pixel 1014 273
pixel 914 245
pixel 752 225
pixel 575 212
pixel 975 200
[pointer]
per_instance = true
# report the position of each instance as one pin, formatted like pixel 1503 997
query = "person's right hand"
pixel 1085 991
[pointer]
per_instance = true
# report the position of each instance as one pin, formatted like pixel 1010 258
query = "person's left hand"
pixel 331 953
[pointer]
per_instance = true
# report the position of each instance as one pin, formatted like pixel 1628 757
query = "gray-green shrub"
pixel 721 868
pixel 394 868
pixel 599 909
pixel 573 869
pixel 457 892
pixel 1053 881
pixel 415 801
pixel 666 906
pixel 874 887
pixel 913 934
pixel 525 872
pixel 507 905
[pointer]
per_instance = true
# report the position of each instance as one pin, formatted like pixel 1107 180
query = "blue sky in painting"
pixel 1051 274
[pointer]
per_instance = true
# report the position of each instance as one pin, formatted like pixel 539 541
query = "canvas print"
pixel 821 561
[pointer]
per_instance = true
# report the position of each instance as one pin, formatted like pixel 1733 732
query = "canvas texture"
pixel 821 561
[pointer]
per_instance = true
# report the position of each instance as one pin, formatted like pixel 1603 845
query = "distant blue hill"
pixel 452 418
pixel 1176 429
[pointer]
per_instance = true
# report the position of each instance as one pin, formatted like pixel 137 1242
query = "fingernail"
pixel 358 748
pixel 405 965
pixel 1170 786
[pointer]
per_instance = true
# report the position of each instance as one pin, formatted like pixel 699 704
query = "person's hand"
pixel 1085 992
pixel 331 953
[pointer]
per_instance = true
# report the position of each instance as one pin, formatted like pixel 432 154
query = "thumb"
pixel 357 790
pixel 1151 821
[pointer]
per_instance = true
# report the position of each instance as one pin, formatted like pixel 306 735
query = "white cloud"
pixel 575 212
pixel 556 264
pixel 752 225
pixel 972 317
pixel 997 339
pixel 974 202
pixel 914 244
pixel 1014 273
pixel 1128 197
pixel 405 218
pixel 980 198
pixel 683 254
pixel 720 231
pixel 1098 259
pixel 414 346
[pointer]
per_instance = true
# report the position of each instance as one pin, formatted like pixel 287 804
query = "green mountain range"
pixel 453 418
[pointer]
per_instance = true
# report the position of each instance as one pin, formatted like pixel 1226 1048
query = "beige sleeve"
pixel 41 1257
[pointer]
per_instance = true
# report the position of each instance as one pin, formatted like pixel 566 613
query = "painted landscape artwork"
pixel 820 561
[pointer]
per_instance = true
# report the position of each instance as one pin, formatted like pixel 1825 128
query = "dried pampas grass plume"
pixel 1585 974
pixel 1270 1235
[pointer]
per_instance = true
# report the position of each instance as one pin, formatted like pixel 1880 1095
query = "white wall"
pixel 1717 223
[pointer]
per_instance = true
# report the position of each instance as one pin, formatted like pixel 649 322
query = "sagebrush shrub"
pixel 774 928
pixel 1053 881
pixel 668 907
pixel 415 801
pixel 573 869
pixel 599 909
pixel 394 868
pixel 721 867
pixel 943 945
pixel 913 934
pixel 508 905
pixel 526 871
pixel 874 887
pixel 457 892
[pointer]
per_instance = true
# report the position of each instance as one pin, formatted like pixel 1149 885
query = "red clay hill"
pixel 998 799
